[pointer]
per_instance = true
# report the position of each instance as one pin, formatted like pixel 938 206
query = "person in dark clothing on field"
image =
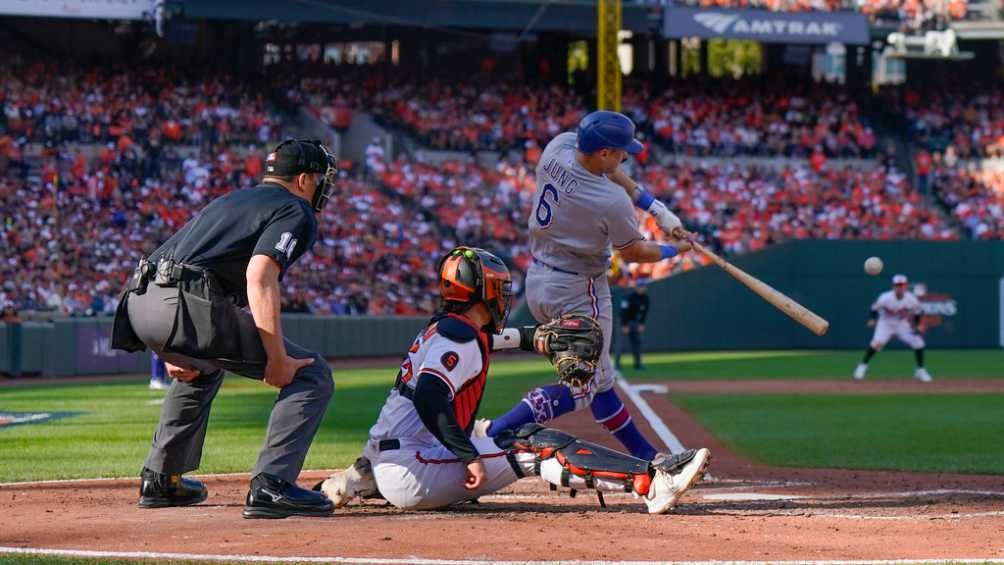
pixel 185 302
pixel 633 312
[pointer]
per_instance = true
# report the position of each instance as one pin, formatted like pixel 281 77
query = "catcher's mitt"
pixel 573 343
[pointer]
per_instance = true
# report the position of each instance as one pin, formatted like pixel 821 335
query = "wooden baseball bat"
pixel 796 311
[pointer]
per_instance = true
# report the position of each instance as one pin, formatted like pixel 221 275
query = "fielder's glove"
pixel 573 343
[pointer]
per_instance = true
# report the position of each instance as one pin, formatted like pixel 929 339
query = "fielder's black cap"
pixel 295 156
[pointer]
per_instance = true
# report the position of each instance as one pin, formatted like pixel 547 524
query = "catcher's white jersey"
pixel 577 215
pixel 891 308
pixel 456 364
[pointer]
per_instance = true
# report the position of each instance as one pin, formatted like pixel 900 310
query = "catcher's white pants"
pixel 424 475
pixel 551 294
pixel 885 329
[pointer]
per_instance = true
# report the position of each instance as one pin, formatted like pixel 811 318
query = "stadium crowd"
pixel 970 124
pixel 746 208
pixel 975 197
pixel 684 119
pixel 51 103
pixel 473 117
pixel 74 227
pixel 72 254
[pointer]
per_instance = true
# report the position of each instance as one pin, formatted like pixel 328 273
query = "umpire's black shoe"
pixel 159 491
pixel 272 497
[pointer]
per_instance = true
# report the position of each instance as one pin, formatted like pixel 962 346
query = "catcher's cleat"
pixel 674 475
pixel 481 426
pixel 343 486
pixel 272 497
pixel 160 491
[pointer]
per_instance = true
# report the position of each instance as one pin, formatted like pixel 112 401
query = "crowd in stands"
pixel 72 232
pixel 746 208
pixel 469 117
pixel 686 120
pixel 76 219
pixel 959 135
pixel 971 124
pixel 975 197
pixel 483 206
pixel 50 103
pixel 70 250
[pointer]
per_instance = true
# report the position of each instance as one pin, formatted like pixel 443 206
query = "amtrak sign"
pixel 766 26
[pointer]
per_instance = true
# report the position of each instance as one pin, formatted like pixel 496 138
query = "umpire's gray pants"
pixel 551 294
pixel 181 432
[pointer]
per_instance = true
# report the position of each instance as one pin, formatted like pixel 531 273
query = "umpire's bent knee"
pixel 319 373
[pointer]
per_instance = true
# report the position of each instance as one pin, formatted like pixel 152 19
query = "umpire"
pixel 185 303
pixel 633 312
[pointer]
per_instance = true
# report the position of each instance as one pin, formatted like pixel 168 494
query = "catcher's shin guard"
pixel 564 460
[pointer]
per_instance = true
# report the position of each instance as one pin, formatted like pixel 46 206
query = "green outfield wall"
pixel 81 346
pixel 961 283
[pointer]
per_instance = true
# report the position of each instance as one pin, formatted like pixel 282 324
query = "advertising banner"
pixel 766 26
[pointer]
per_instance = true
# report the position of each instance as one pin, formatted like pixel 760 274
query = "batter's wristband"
pixel 667 250
pixel 645 200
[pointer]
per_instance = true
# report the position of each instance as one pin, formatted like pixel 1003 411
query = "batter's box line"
pixel 421 561
pixel 921 518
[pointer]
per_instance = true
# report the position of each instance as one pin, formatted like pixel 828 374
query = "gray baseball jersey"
pixel 577 215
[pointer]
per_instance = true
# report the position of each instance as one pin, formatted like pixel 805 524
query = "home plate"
pixel 748 496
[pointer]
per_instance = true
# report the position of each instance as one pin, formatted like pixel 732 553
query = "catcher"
pixel 421 453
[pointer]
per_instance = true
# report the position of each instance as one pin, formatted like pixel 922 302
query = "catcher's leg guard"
pixel 564 460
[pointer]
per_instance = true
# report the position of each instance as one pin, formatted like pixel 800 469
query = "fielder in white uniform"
pixel 421 453
pixel 898 313
pixel 584 206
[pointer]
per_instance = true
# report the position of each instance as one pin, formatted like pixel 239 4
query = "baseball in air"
pixel 873 265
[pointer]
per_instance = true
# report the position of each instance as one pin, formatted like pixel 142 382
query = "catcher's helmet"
pixel 468 275
pixel 602 129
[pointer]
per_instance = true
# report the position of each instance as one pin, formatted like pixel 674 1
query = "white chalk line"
pixel 423 561
pixel 660 428
pixel 920 518
pixel 133 477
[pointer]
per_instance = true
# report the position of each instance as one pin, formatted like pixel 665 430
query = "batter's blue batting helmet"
pixel 607 129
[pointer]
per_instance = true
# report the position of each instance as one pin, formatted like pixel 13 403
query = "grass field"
pixel 943 432
pixel 936 433
pixel 896 364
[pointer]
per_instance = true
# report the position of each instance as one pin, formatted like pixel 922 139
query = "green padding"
pixel 33 346
pixel 61 360
pixel 707 309
pixel 4 349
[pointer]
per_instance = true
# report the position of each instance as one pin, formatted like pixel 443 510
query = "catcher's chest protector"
pixel 582 458
pixel 467 398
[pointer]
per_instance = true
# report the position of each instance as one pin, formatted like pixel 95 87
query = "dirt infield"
pixel 747 512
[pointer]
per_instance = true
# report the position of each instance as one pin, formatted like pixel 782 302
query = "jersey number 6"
pixel 544 211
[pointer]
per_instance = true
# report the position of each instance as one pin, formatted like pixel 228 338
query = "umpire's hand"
pixel 180 373
pixel 280 372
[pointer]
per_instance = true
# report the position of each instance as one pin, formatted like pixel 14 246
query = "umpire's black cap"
pixel 295 156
